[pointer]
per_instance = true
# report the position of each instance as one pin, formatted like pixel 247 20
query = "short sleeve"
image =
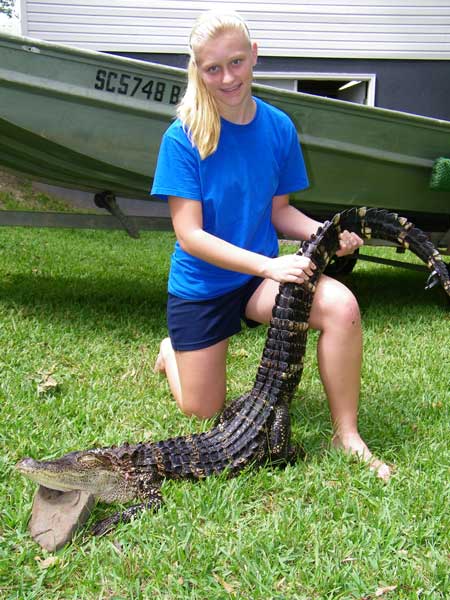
pixel 293 176
pixel 177 168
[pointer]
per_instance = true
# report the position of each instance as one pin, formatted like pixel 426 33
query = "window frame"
pixel 296 76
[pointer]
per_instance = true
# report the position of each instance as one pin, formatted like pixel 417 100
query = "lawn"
pixel 82 314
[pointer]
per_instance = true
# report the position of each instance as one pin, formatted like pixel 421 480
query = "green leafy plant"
pixel 7 7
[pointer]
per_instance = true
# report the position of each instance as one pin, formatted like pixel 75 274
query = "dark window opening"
pixel 351 91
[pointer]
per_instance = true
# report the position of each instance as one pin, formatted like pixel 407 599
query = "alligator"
pixel 255 428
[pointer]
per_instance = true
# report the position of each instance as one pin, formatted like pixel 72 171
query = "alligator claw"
pixel 432 280
pixel 125 516
pixel 106 525
pixel 293 455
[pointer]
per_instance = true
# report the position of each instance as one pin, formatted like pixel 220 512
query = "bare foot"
pixel 354 445
pixel 160 363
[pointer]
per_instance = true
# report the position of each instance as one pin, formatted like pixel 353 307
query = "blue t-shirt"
pixel 235 185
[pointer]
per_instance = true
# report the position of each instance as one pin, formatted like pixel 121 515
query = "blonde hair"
pixel 198 110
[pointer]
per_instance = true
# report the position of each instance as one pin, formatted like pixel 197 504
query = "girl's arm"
pixel 289 221
pixel 187 222
pixel 294 224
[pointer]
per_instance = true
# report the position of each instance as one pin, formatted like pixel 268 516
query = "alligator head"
pixel 94 471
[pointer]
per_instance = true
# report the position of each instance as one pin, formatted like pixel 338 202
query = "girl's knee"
pixel 346 310
pixel 200 410
pixel 201 402
pixel 336 306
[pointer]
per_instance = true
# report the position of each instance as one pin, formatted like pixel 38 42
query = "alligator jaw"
pixel 90 471
pixel 41 472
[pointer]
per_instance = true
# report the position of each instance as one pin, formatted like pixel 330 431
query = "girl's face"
pixel 225 64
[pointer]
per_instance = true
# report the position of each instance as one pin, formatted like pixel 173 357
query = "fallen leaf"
pixel 226 586
pixel 332 483
pixel 240 353
pixel 385 590
pixel 280 584
pixel 47 383
pixel 45 563
pixel 131 374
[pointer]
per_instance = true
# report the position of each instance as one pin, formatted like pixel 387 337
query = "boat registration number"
pixel 139 87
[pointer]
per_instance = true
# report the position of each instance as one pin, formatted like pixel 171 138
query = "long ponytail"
pixel 199 113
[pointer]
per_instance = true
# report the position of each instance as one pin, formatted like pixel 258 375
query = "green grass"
pixel 88 308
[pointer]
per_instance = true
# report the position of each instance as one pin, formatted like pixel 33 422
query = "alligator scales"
pixel 255 428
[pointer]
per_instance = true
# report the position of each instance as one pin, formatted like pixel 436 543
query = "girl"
pixel 226 167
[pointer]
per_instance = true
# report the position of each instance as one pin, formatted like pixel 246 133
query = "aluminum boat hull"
pixel 91 121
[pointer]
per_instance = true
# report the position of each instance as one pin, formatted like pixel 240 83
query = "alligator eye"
pixel 90 459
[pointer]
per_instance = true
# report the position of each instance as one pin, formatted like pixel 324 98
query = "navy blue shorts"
pixel 198 324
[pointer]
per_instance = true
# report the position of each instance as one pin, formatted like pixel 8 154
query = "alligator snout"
pixel 26 465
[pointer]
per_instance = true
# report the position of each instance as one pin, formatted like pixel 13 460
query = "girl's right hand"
pixel 290 268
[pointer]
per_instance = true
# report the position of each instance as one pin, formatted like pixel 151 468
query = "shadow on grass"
pixel 87 298
pixel 386 287
pixel 396 289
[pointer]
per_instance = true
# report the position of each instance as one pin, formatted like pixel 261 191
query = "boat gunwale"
pixel 84 52
pixel 287 95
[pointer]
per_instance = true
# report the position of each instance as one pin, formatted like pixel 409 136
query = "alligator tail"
pixel 281 365
pixel 373 223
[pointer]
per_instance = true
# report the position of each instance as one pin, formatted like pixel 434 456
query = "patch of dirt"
pixel 17 193
pixel 10 184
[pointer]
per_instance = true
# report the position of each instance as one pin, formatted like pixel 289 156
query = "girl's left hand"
pixel 349 243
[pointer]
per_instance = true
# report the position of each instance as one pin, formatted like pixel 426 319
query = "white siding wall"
pixel 417 29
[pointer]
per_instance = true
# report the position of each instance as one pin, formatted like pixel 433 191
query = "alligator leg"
pixel 231 410
pixel 281 450
pixel 125 516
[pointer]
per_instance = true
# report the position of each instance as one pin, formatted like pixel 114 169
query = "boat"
pixel 92 121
